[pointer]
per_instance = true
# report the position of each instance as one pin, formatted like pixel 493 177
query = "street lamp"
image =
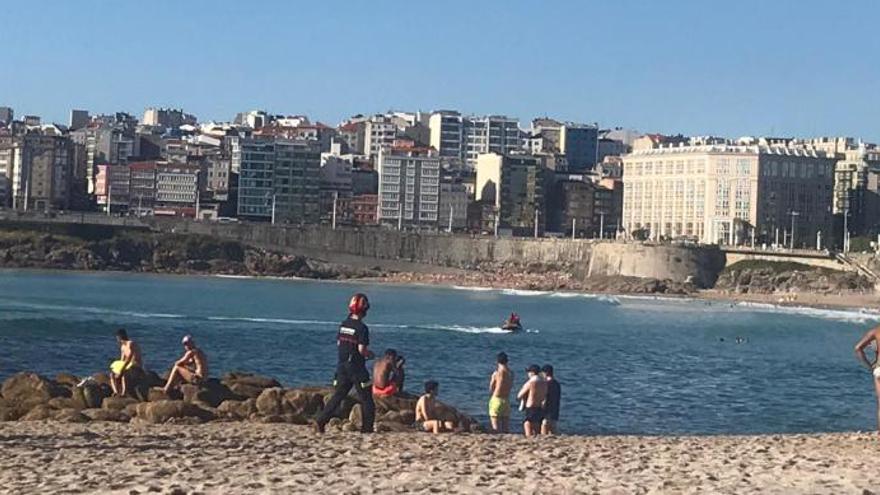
pixel 794 215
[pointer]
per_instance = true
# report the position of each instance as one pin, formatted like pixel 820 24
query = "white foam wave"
pixel 596 297
pixel 862 315
pixel 524 292
pixel 90 310
pixel 466 329
pixel 272 320
pixel 473 288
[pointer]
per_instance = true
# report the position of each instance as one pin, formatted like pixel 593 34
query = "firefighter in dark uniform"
pixel 352 341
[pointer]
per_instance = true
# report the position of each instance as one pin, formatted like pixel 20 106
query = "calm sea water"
pixel 626 365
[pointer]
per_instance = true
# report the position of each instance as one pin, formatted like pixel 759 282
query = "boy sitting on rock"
pixel 426 412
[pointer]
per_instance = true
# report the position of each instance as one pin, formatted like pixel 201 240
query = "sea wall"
pixel 699 264
pixel 581 257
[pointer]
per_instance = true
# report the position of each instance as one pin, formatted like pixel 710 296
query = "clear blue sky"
pixel 782 67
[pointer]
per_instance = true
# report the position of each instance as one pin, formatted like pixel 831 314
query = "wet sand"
pixel 250 458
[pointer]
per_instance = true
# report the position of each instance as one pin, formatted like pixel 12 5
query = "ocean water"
pixel 627 365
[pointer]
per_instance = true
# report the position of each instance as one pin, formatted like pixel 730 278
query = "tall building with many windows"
pixel 730 194
pixel 280 179
pixel 409 186
pixel 464 138
pixel 514 183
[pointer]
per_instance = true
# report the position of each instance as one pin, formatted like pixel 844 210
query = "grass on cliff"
pixel 772 266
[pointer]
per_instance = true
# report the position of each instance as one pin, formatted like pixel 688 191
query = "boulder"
pixel 156 394
pixel 29 389
pixel 90 395
pixel 269 402
pixel 406 418
pixel 9 413
pixel 307 402
pixel 67 380
pixel 295 419
pixel 395 403
pixel 248 385
pixel 212 393
pixel 106 415
pixel 238 410
pixel 102 378
pixel 117 403
pixel 63 403
pixel 70 416
pixel 164 411
pixel 356 416
pixel 40 412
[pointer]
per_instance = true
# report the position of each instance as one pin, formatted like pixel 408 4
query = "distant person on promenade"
pixel 388 374
pixel 533 393
pixel 426 410
pixel 129 363
pixel 352 343
pixel 871 337
pixel 191 368
pixel 499 400
pixel 551 402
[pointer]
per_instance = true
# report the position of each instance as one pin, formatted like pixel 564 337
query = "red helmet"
pixel 359 304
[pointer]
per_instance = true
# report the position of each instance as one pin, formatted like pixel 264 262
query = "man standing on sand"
pixel 871 337
pixel 191 368
pixel 388 374
pixel 129 361
pixel 499 400
pixel 533 393
pixel 352 342
pixel 551 403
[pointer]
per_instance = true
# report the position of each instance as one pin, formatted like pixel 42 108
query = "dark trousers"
pixel 347 376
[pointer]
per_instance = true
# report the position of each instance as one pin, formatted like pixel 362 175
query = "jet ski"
pixel 512 324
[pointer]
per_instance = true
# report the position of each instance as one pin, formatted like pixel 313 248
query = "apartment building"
pixel 409 186
pixel 514 183
pixel 729 193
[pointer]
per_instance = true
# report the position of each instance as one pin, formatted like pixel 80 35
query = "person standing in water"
pixel 352 342
pixel 499 400
pixel 872 337
pixel 192 367
pixel 129 361
pixel 533 393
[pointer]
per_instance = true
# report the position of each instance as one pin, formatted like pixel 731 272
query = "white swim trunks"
pixel 877 372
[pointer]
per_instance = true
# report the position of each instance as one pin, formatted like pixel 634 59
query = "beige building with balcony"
pixel 729 194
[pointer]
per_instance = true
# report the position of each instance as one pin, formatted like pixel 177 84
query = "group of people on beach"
pixel 192 367
pixel 538 397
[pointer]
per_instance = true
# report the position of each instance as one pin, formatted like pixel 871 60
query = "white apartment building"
pixel 409 186
pixel 379 131
pixel 729 194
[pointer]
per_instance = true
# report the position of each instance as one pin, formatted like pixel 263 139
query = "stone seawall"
pixel 580 257
pixel 700 265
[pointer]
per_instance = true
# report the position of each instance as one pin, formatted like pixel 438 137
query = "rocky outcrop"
pixel 234 397
pixel 160 253
pixel 750 277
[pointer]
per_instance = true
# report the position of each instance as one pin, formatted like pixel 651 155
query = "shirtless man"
pixel 129 360
pixel 426 413
pixel 388 374
pixel 871 337
pixel 191 368
pixel 533 392
pixel 499 400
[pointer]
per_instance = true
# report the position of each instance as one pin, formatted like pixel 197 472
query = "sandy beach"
pixel 43 457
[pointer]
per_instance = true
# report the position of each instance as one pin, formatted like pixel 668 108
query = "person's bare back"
pixel 502 382
pixel 200 362
pixel 535 392
pixel 131 352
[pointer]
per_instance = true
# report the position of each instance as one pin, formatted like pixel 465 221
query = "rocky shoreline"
pixel 235 397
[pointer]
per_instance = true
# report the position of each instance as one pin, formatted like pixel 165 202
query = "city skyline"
pixel 750 69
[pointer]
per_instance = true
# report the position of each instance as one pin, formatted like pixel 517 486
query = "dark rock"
pixel 269 402
pixel 165 410
pixel 238 410
pixel 211 392
pixel 70 416
pixel 307 402
pixel 29 389
pixel 40 412
pixel 156 394
pixel 67 380
pixel 63 403
pixel 248 385
pixel 106 415
pixel 90 395
pixel 392 426
pixel 117 403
